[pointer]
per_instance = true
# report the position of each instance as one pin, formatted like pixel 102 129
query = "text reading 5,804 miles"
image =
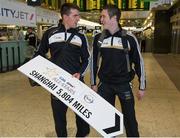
pixel 77 105
pixel 65 95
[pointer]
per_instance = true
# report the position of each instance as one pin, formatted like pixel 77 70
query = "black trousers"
pixel 59 113
pixel 125 95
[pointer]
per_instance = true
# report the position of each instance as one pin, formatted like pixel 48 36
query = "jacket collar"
pixel 62 28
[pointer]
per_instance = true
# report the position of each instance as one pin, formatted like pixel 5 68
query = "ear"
pixel 114 18
pixel 65 17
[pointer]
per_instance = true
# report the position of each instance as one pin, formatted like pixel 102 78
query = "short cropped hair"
pixel 113 10
pixel 66 8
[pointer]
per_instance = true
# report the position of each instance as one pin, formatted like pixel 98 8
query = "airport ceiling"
pixel 128 22
pixel 128 19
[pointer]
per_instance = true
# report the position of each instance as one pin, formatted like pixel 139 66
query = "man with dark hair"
pixel 31 37
pixel 120 60
pixel 69 50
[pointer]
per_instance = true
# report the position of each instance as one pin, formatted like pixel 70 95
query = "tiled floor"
pixel 26 111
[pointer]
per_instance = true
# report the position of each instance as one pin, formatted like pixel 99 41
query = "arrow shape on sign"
pixel 114 128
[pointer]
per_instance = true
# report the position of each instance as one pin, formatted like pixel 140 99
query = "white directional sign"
pixel 96 111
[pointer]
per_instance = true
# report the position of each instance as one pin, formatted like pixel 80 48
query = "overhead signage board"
pixel 159 4
pixel 17 13
pixel 91 107
pixel 45 16
pixel 134 14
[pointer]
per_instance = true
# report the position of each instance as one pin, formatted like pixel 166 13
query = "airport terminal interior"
pixel 25 111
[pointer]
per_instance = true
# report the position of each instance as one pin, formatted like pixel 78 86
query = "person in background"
pixel 15 34
pixel 143 44
pixel 69 50
pixel 120 60
pixel 31 37
pixel 32 44
pixel 20 34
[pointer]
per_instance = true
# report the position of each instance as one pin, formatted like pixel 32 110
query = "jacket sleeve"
pixel 94 60
pixel 43 46
pixel 26 37
pixel 138 62
pixel 85 56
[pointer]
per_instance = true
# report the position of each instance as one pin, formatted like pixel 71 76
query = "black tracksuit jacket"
pixel 31 37
pixel 113 66
pixel 73 56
